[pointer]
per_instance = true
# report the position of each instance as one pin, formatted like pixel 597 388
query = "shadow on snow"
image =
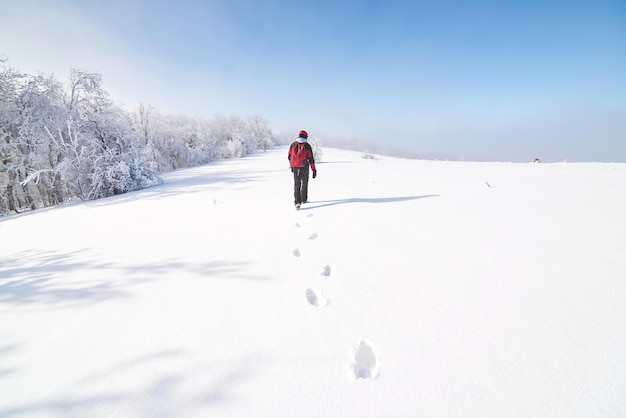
pixel 55 279
pixel 175 392
pixel 324 203
pixel 58 280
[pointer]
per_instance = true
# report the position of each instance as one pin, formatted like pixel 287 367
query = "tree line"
pixel 61 142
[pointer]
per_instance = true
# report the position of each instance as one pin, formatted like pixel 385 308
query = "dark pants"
pixel 300 184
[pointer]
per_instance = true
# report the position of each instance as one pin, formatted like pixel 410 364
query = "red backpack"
pixel 299 154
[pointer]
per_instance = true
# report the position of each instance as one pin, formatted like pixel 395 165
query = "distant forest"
pixel 61 142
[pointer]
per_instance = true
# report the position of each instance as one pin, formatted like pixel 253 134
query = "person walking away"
pixel 300 158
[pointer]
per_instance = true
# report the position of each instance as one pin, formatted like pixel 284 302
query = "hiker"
pixel 300 158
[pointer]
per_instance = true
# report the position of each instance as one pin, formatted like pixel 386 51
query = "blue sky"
pixel 475 80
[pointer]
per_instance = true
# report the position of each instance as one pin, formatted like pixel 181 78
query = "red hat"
pixel 303 134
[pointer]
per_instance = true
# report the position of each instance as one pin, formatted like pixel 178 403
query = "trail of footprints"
pixel 364 364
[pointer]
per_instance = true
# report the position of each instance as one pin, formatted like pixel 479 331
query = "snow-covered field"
pixel 403 288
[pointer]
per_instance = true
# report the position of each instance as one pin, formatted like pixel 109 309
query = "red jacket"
pixel 300 155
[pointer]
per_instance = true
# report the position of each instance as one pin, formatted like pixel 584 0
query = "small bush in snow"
pixel 367 156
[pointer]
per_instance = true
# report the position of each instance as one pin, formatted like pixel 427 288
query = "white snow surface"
pixel 403 288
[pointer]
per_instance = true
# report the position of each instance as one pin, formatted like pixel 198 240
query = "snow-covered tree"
pixel 27 105
pixel 101 155
pixel 62 142
pixel 261 132
pixel 40 109
pixel 317 150
pixel 232 134
pixel 11 193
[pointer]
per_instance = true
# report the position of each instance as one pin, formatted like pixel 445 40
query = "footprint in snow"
pixel 309 215
pixel 327 270
pixel 365 364
pixel 296 252
pixel 316 298
pixel 313 236
pixel 297 224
